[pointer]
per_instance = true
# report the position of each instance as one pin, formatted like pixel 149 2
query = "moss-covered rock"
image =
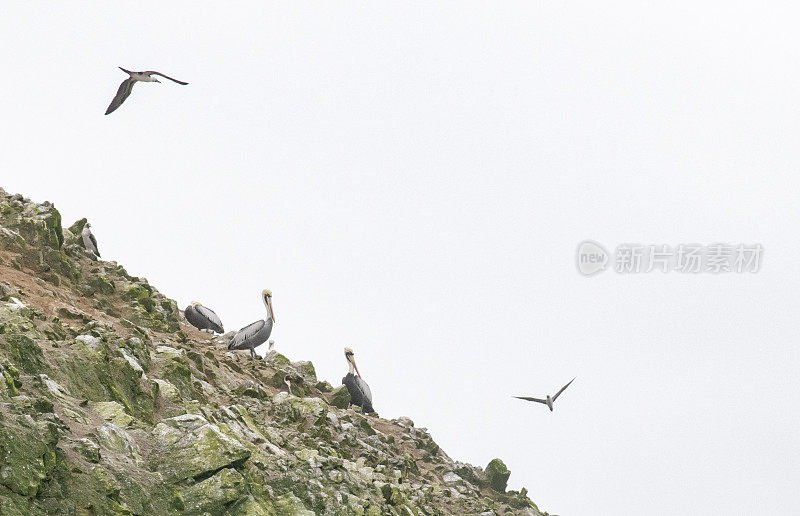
pixel 117 440
pixel 89 449
pixel 190 447
pixel 75 230
pixel 109 405
pixel 277 360
pixel 26 454
pixel 166 390
pixel 13 504
pixel 250 506
pixel 497 475
pixel 25 353
pixel 339 397
pixel 253 390
pixel 176 370
pixel 11 378
pixel 213 494
pixel 137 292
pixel 114 412
pixel 55 331
pixel 290 505
pixel 306 371
pixel 99 284
pixel 392 494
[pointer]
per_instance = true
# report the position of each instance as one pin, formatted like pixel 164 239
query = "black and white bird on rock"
pixel 203 318
pixel 360 395
pixel 89 241
pixel 257 333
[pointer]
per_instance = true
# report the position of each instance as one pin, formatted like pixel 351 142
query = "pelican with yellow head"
pixel 360 394
pixel 203 318
pixel 257 333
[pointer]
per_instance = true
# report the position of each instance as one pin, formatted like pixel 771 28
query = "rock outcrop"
pixel 111 404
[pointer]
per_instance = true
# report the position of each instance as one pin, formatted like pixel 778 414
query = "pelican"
pixel 203 318
pixel 127 85
pixel 547 401
pixel 89 242
pixel 359 390
pixel 253 335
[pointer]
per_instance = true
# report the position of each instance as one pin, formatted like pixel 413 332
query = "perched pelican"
pixel 203 318
pixel 127 85
pixel 547 401
pixel 89 242
pixel 253 335
pixel 359 390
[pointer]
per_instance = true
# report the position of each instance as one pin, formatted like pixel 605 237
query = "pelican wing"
pixel 562 389
pixel 245 335
pixel 166 77
pixel 362 385
pixel 210 315
pixel 94 243
pixel 122 93
pixel 531 399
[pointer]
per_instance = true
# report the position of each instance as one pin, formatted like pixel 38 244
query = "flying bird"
pixel 359 390
pixel 547 401
pixel 89 242
pixel 257 333
pixel 127 85
pixel 203 318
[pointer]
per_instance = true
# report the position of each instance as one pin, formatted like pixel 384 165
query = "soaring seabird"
pixel 359 390
pixel 127 85
pixel 89 242
pixel 547 401
pixel 253 335
pixel 203 318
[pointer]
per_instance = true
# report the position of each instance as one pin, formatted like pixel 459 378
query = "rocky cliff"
pixel 111 404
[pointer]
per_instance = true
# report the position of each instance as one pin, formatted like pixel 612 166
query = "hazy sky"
pixel 411 179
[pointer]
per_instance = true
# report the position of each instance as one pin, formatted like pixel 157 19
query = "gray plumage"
pixel 360 395
pixel 126 87
pixel 203 318
pixel 251 336
pixel 257 333
pixel 548 400
pixel 89 242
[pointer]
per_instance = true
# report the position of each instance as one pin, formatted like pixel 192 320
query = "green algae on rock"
pixel 497 473
pixel 340 397
pixel 112 405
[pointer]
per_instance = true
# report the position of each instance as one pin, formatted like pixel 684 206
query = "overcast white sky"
pixel 412 179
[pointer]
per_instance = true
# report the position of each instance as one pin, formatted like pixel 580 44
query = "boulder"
pixel 497 475
pixel 211 495
pixel 188 446
pixel 339 397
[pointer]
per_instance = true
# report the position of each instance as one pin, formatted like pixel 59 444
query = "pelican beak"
pixel 271 310
pixel 157 81
pixel 353 360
